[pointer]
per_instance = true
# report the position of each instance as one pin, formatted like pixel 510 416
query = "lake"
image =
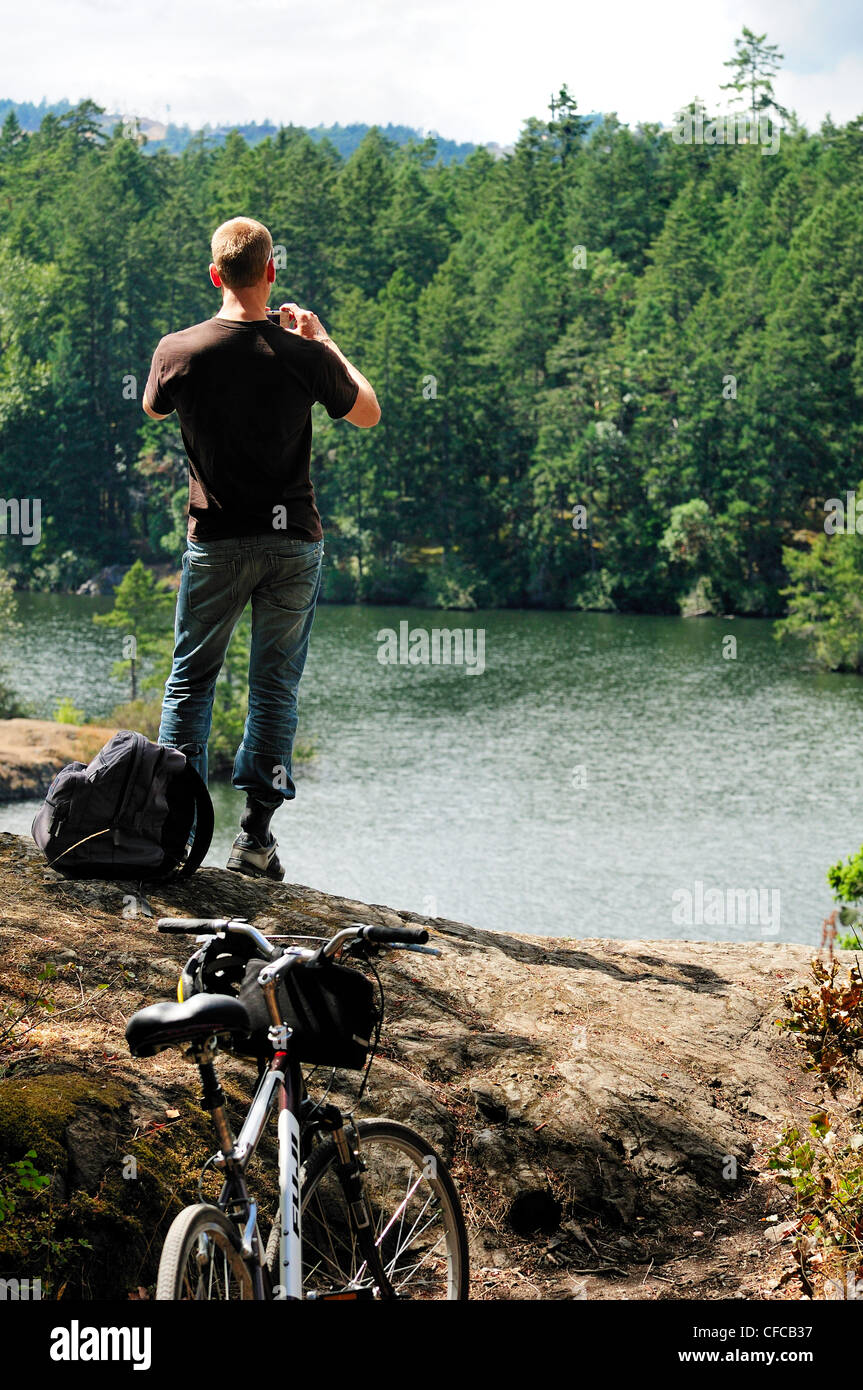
pixel 603 775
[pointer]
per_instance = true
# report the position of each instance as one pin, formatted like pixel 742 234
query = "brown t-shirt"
pixel 243 392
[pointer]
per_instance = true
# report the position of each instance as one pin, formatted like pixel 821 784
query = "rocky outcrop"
pixel 32 751
pixel 105 582
pixel 604 1104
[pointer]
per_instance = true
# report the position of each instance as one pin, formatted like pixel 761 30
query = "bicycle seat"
pixel 164 1025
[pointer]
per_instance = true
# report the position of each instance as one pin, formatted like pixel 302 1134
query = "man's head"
pixel 242 252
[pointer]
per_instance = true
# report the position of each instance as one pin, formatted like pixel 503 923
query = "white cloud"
pixel 472 70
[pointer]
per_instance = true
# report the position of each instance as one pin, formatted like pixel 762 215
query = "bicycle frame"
pixel 281 1086
pixel 290 1283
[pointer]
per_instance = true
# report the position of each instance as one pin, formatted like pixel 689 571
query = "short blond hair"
pixel 241 249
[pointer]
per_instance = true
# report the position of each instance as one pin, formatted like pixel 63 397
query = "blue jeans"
pixel 282 577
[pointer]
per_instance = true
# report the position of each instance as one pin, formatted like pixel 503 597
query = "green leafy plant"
pixel 846 880
pixel 825 606
pixel 23 1178
pixel 828 1020
pixel 848 941
pixel 67 712
pixel 823 1166
pixel 823 1163
pixel 143 613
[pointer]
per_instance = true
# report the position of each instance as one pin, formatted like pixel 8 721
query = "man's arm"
pixel 155 386
pixel 365 412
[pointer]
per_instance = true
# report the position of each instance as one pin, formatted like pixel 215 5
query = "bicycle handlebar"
pixel 418 935
pixel 406 938
pixel 238 926
pixel 186 926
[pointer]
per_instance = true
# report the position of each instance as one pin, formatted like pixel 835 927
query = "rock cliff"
pixel 605 1105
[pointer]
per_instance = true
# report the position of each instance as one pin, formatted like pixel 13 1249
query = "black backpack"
pixel 127 815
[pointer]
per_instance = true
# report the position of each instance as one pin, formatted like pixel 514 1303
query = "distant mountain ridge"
pixel 174 138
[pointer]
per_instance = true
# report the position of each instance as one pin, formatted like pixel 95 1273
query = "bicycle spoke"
pixel 409 1274
pixel 406 1274
pixel 408 1228
pixel 400 1209
pixel 414 1235
pixel 341 1263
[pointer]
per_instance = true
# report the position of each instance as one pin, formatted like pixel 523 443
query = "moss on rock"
pixel 97 1230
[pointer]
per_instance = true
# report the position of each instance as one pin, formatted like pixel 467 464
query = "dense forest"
pixel 615 370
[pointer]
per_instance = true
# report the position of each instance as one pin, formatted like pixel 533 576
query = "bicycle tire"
pixel 200 1281
pixel 326 1222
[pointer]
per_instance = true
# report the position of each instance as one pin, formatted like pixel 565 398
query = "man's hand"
pixel 301 321
pixel 365 411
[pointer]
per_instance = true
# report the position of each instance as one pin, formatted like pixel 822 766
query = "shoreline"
pixel 32 752
pixel 171 575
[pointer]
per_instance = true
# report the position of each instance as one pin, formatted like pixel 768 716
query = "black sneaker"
pixel 249 856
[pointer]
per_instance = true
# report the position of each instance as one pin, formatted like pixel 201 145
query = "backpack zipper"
pixel 130 778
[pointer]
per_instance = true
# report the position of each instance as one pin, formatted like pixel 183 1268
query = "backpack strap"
pixel 204 824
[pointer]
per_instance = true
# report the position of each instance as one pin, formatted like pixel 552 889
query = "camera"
pixel 274 316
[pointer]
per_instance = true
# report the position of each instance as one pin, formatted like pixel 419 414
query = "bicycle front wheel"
pixel 202 1258
pixel 420 1239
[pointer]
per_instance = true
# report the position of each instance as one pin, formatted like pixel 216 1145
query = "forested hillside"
pixel 167 135
pixel 614 370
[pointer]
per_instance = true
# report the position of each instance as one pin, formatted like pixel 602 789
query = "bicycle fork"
pixel 290 1273
pixel 287 1071
pixel 290 1280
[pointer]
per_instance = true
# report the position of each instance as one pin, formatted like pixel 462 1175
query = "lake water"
pixel 605 775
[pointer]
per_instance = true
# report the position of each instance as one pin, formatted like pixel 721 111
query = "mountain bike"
pixel 366 1209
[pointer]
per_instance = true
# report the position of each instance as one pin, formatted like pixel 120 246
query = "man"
pixel 243 387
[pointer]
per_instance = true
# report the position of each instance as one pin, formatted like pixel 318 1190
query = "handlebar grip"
pixel 418 935
pixel 186 926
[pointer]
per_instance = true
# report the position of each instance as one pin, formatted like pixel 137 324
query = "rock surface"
pixel 105 582
pixel 604 1104
pixel 32 751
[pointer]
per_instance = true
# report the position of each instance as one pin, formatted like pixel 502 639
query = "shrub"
pixel 828 1020
pixel 67 712
pixel 141 715
pixel 823 1162
pixel 825 600
pixel 11 705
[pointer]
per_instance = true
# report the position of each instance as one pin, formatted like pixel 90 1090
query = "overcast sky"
pixel 470 69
